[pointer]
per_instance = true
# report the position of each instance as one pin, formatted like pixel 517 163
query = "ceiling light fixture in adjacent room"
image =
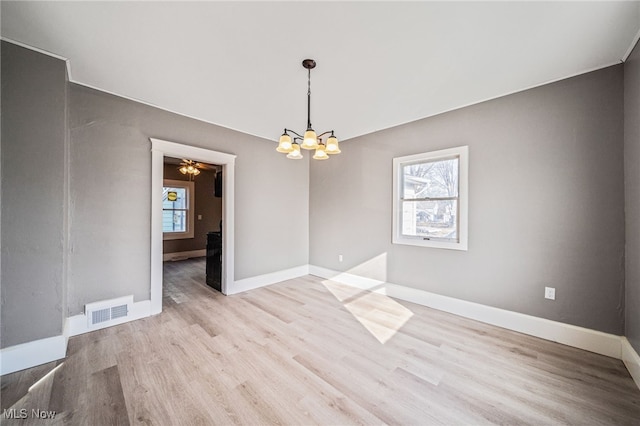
pixel 310 140
pixel 189 167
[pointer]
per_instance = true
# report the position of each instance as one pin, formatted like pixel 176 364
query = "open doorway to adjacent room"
pixel 192 219
pixel 214 229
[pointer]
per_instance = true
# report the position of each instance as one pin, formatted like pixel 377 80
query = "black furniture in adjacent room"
pixel 214 260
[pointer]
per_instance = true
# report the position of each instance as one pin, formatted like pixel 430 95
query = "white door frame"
pixel 160 149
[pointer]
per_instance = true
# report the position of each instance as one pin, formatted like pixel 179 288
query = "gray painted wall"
pixel 546 194
pixel 546 203
pixel 110 200
pixel 632 195
pixel 33 195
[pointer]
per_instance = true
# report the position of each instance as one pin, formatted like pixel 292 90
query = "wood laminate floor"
pixel 311 351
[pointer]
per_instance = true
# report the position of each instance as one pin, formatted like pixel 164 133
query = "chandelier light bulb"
pixel 310 140
pixel 332 145
pixel 284 144
pixel 320 153
pixel 295 153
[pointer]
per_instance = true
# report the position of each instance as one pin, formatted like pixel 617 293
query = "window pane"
pixel 174 198
pixel 431 219
pixel 167 221
pixel 434 179
pixel 174 221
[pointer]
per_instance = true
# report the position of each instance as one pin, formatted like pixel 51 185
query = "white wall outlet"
pixel 339 258
pixel 550 293
pixel 199 217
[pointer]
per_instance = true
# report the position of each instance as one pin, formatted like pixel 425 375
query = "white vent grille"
pixel 119 311
pixel 100 316
pixel 105 313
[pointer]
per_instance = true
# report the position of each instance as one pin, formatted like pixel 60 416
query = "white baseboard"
pixel 267 279
pixel 182 255
pixel 30 354
pixel 571 335
pixel 37 352
pixel 631 360
pixel 77 324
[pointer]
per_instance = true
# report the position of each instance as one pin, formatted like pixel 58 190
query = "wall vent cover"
pixel 107 312
pixel 100 316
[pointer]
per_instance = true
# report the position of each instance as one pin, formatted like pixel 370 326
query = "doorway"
pixel 192 218
pixel 159 150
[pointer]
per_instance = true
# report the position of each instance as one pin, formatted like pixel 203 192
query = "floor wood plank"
pixel 312 351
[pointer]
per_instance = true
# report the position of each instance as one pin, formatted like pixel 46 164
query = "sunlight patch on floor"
pixel 45 377
pixel 382 316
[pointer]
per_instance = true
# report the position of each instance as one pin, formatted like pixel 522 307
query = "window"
pixel 177 209
pixel 430 199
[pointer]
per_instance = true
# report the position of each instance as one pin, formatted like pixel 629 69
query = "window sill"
pixel 461 245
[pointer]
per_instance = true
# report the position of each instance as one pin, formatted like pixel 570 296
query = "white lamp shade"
pixel 295 153
pixel 320 153
pixel 284 144
pixel 332 146
pixel 310 140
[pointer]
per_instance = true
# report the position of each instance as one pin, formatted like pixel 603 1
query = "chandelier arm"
pixel 295 133
pixel 322 134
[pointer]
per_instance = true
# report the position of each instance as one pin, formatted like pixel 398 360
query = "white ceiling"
pixel 380 64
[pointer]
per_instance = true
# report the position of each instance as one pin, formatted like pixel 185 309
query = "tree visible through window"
pixel 428 209
pixel 430 199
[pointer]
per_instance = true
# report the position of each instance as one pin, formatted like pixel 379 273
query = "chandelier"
pixel 189 167
pixel 310 140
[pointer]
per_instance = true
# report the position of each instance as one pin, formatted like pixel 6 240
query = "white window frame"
pixel 190 191
pixel 462 153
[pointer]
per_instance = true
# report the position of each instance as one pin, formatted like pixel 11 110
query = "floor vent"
pixel 107 312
